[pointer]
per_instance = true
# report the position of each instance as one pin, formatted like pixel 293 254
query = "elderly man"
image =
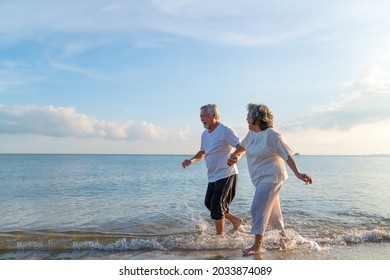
pixel 217 143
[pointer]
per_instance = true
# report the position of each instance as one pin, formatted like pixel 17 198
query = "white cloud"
pixel 184 134
pixel 364 101
pixel 362 139
pixel 15 73
pixel 77 70
pixel 67 122
pixel 344 101
pixel 248 22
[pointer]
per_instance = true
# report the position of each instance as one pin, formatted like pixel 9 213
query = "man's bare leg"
pixel 237 222
pixel 219 226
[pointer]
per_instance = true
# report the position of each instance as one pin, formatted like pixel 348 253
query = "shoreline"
pixel 361 251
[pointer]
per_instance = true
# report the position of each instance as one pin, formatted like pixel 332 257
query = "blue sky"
pixel 129 76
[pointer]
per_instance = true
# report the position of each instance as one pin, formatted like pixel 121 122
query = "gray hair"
pixel 212 109
pixel 262 114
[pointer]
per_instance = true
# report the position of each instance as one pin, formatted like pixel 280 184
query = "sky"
pixel 125 77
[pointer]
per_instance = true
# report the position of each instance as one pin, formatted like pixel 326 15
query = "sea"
pixel 84 206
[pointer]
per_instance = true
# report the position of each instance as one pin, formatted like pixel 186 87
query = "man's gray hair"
pixel 212 109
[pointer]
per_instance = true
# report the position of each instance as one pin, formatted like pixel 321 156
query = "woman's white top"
pixel 266 153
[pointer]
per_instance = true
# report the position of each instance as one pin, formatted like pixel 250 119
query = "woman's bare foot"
pixel 251 250
pixel 284 243
pixel 256 247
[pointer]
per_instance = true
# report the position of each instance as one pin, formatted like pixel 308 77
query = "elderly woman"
pixel 265 152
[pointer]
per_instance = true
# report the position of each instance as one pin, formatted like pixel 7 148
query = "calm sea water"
pixel 77 206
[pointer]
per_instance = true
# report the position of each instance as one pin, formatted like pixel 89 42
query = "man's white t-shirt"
pixel 266 153
pixel 218 145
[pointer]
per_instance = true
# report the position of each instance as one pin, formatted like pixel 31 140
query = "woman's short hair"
pixel 262 114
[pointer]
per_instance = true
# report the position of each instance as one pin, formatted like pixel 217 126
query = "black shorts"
pixel 219 195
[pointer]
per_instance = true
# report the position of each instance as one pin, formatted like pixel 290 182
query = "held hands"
pixel 233 159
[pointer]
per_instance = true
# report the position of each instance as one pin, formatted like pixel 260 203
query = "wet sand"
pixel 364 251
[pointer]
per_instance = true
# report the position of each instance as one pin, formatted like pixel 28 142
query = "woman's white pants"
pixel 266 208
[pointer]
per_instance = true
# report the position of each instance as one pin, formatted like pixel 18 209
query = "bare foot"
pixel 242 230
pixel 237 224
pixel 284 243
pixel 251 251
